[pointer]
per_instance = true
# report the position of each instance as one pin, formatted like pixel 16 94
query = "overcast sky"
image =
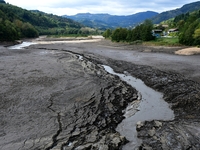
pixel 114 7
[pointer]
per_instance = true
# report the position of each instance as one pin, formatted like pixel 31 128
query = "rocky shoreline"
pixel 51 98
pixel 184 97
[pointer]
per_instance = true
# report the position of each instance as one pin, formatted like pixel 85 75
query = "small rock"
pixel 76 132
pixel 103 147
pixel 116 140
pixel 197 95
pixel 155 137
pixel 135 96
pixel 18 42
pixel 93 136
pixel 158 124
pixel 139 125
pixel 87 146
pixel 152 132
pixel 163 139
pixel 124 91
pixel 126 73
pixel 145 147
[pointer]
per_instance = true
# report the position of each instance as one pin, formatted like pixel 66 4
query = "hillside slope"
pixel 16 23
pixel 173 13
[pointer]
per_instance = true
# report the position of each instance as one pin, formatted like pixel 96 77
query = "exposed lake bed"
pixel 81 105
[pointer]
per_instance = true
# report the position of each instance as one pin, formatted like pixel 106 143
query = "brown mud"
pixel 53 99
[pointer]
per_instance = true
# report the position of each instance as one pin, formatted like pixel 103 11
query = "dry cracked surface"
pixel 53 98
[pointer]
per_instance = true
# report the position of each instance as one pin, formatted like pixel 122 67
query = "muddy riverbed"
pixel 59 96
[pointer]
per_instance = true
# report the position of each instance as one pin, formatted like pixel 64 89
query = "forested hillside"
pixel 173 13
pixel 189 28
pixel 18 23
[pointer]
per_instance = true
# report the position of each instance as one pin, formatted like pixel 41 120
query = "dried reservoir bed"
pixel 51 98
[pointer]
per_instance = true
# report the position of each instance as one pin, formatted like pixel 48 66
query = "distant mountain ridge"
pixel 104 21
pixel 173 13
pixel 111 21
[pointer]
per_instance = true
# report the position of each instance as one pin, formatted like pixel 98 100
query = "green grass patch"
pixel 164 41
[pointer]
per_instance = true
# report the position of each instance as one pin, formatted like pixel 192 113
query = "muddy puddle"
pixel 149 106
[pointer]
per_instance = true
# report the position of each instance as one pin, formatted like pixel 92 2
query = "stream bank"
pixel 183 96
pixel 149 106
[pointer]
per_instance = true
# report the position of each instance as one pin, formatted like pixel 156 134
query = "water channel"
pixel 21 46
pixel 151 106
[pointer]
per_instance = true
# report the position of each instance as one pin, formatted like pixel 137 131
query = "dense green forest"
pixel 18 23
pixel 189 27
pixel 142 32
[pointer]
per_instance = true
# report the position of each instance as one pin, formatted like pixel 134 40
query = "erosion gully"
pixel 151 107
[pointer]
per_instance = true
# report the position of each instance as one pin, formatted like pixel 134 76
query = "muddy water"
pixel 151 106
pixel 21 46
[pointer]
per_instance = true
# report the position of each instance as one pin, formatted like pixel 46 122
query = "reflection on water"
pixel 21 46
pixel 151 107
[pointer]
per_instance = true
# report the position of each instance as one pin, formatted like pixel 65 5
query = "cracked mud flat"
pixel 54 99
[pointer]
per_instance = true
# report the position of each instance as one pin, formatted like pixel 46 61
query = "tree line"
pixel 10 31
pixel 141 32
pixel 189 26
pixel 11 28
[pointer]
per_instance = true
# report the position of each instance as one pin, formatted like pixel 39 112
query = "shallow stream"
pixel 150 106
pixel 21 46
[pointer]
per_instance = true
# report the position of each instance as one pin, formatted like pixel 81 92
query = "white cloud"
pixel 117 7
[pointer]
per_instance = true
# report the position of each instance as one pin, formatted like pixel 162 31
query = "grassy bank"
pixel 164 41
